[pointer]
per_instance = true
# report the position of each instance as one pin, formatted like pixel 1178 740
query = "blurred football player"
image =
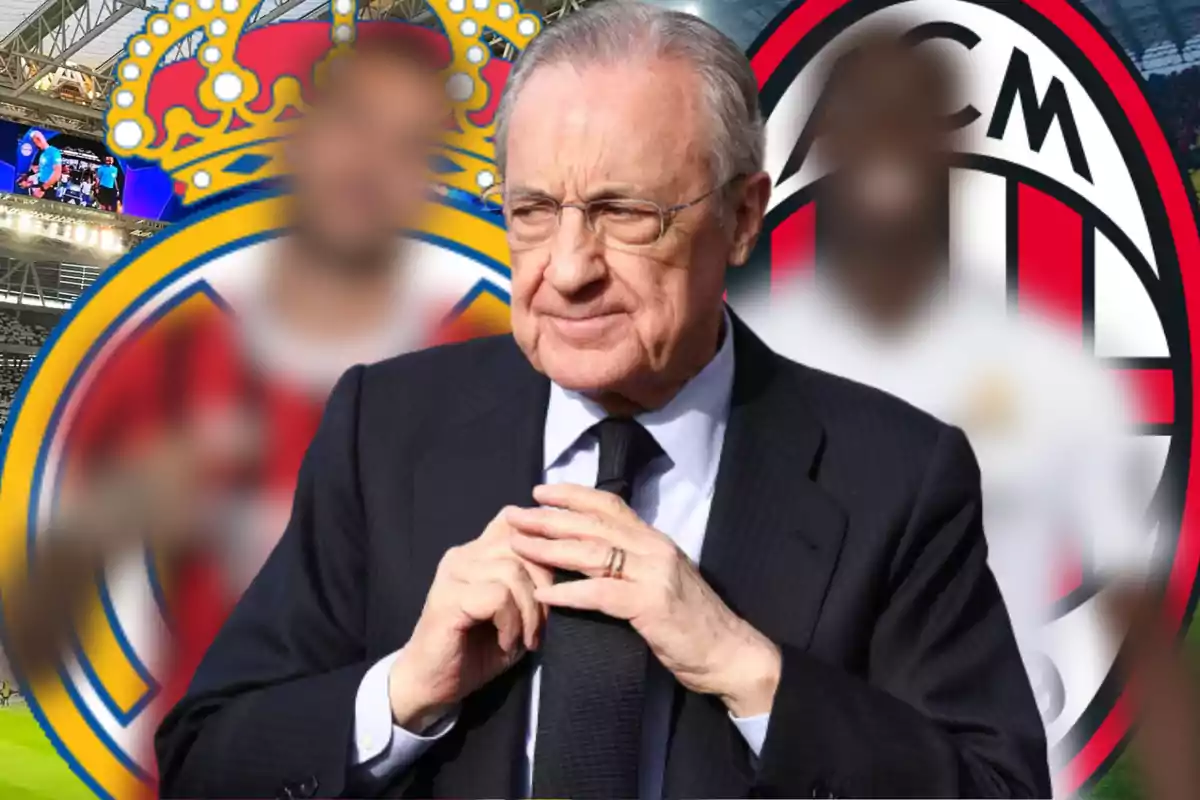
pixel 883 307
pixel 189 441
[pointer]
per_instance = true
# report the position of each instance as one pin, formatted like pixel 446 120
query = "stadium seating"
pixel 1176 100
pixel 13 366
pixel 14 331
pixel 10 380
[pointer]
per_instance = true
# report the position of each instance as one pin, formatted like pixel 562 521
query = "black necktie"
pixel 593 688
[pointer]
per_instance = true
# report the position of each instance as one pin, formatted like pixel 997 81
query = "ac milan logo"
pixel 1068 195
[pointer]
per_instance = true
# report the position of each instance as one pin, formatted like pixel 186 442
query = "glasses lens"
pixel 632 222
pixel 531 221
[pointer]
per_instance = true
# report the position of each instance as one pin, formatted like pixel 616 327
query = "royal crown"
pixel 214 121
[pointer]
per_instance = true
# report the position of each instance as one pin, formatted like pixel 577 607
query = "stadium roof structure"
pixel 57 56
pixel 1160 35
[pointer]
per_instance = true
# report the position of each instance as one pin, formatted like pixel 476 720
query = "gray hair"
pixel 616 31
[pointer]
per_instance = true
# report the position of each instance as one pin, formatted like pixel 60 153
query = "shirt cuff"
pixel 382 748
pixel 753 730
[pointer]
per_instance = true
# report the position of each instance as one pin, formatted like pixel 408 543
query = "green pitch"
pixel 1122 781
pixel 29 766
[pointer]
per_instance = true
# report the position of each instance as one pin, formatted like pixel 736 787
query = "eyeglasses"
pixel 534 220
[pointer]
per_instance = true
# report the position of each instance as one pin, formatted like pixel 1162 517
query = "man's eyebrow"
pixel 526 192
pixel 620 191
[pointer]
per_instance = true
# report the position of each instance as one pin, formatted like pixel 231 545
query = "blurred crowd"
pixel 10 380
pixel 1176 100
pixel 15 331
pixel 13 366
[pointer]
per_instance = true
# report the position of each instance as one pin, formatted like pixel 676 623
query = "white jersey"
pixel 1049 428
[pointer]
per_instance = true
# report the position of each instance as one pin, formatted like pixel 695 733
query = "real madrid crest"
pixel 215 123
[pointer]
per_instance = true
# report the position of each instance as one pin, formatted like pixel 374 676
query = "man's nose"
pixel 575 259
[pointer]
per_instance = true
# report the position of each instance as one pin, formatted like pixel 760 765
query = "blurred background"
pixel 56 73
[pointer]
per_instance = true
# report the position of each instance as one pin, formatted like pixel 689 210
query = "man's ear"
pixel 749 212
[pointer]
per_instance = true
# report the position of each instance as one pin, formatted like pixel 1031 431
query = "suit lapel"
pixel 489 456
pixel 492 457
pixel 772 540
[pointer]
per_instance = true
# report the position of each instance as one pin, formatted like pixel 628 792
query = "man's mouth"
pixel 583 327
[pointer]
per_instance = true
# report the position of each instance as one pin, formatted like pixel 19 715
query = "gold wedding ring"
pixel 615 566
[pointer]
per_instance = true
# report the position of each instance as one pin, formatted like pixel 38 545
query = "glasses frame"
pixel 666 214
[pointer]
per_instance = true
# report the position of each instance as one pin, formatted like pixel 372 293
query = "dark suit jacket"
pixel 845 526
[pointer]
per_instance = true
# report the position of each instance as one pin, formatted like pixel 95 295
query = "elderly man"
pixel 632 552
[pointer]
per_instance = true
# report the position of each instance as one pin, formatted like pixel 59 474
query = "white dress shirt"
pixel 673 495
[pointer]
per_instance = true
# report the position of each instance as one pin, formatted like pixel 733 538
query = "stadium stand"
pixel 10 380
pixel 13 364
pixel 1176 100
pixel 14 331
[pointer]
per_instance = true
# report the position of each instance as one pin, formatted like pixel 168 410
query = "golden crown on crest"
pixel 228 134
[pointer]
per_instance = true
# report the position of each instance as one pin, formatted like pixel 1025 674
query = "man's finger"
pixel 590 557
pixel 502 549
pixel 493 602
pixel 482 601
pixel 610 596
pixel 556 523
pixel 509 626
pixel 538 573
pixel 513 574
pixel 497 530
pixel 584 500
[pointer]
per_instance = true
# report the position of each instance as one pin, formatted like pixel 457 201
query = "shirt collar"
pixel 689 429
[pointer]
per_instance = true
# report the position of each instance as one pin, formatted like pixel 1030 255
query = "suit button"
pixel 299 790
pixel 308 787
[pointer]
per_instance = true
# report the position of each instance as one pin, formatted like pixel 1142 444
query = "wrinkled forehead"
pixel 641 124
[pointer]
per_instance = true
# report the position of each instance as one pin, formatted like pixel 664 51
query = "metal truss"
pixel 42 273
pixel 269 11
pixel 58 242
pixel 41 285
pixel 53 211
pixel 59 29
pixel 416 11
pixel 551 12
pixel 44 42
